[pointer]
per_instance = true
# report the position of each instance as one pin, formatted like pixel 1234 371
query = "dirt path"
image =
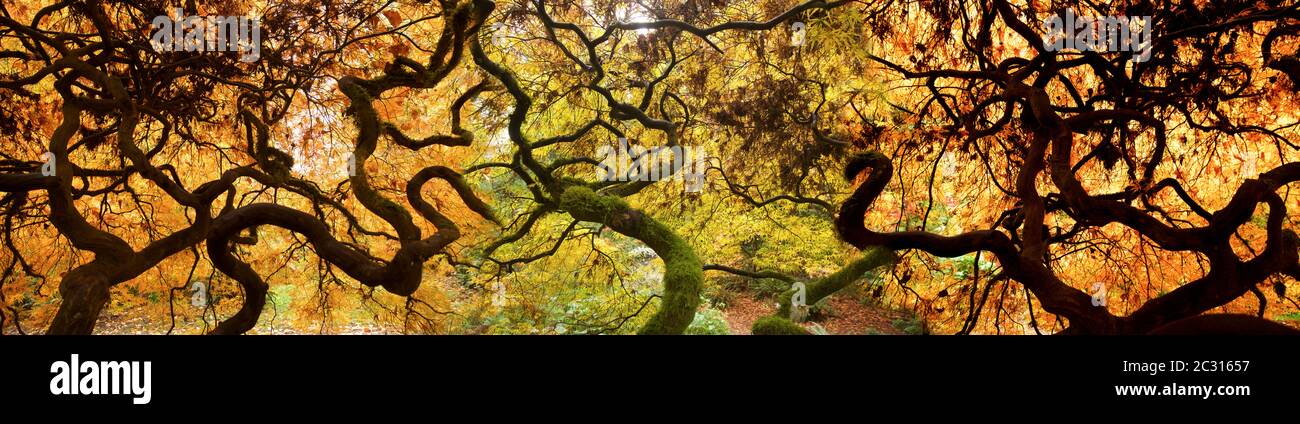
pixel 850 316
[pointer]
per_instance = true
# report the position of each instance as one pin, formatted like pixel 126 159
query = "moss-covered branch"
pixel 817 290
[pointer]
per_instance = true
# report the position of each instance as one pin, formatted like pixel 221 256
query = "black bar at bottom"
pixel 362 371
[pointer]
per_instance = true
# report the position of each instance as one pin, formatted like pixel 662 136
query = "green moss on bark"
pixel 820 289
pixel 684 274
pixel 777 326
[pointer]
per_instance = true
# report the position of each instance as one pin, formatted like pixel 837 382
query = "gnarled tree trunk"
pixel 683 273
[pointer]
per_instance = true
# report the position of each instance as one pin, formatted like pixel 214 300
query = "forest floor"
pixel 849 316
pixel 125 324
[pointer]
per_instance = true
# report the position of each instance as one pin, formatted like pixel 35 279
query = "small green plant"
pixel 822 309
pixel 775 325
pixel 769 287
pixel 718 296
pixel 708 322
pixel 911 325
